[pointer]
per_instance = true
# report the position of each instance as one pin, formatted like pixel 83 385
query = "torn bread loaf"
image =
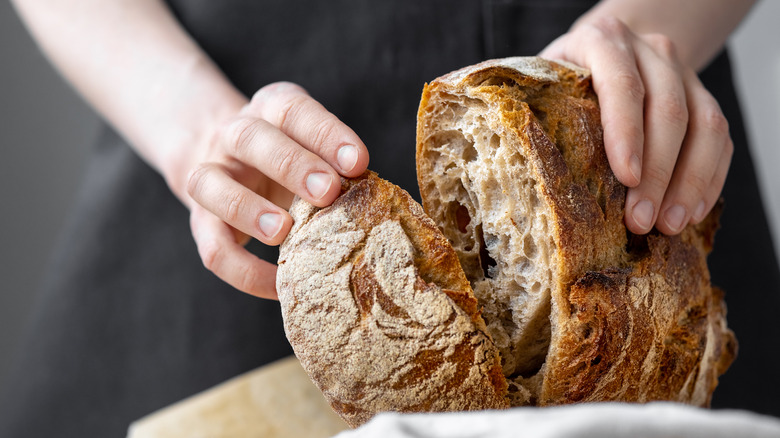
pixel 378 310
pixel 558 304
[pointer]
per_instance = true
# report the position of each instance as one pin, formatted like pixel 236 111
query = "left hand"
pixel 664 134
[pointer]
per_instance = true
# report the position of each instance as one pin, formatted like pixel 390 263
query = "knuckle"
pixel 657 176
pixel 234 206
pixel 284 162
pixel 289 111
pixel 729 148
pixel 612 27
pixel 630 83
pixel 662 44
pixel 712 119
pixel 238 135
pixel 282 87
pixel 246 278
pixel 259 99
pixel 698 182
pixel 673 108
pixel 273 91
pixel 211 255
pixel 263 94
pixel 196 178
pixel 323 131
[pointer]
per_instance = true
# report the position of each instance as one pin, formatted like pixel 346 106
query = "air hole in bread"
pixel 469 153
pixel 462 218
pixel 497 81
pixel 541 116
pixel 487 263
pixel 637 246
pixel 597 189
pixel 495 142
pixel 529 247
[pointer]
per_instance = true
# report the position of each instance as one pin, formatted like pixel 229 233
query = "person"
pixel 138 310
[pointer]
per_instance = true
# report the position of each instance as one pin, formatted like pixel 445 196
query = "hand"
pixel 282 143
pixel 664 134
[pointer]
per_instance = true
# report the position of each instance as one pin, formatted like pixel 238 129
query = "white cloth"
pixel 602 420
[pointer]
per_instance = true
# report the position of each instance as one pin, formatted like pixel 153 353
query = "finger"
pixel 716 186
pixel 261 145
pixel 290 108
pixel 666 121
pixel 556 49
pixel 700 158
pixel 605 47
pixel 212 187
pixel 228 260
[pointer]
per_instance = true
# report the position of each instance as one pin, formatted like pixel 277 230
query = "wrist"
pixel 189 147
pixel 186 149
pixel 205 103
pixel 698 29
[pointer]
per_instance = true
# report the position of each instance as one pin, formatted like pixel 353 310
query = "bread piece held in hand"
pixel 378 310
pixel 511 166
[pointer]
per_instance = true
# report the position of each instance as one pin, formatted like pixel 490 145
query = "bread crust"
pixel 378 310
pixel 654 331
pixel 632 318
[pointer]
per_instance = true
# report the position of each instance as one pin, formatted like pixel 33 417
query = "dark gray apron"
pixel 129 321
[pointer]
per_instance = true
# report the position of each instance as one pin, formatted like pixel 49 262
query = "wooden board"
pixel 277 400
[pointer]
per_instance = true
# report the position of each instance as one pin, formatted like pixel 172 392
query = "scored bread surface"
pixel 511 166
pixel 378 310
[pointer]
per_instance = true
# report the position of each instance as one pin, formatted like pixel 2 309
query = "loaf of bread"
pixel 535 294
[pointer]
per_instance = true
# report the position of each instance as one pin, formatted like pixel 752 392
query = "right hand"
pixel 665 135
pixel 280 144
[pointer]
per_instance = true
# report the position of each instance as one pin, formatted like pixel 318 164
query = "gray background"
pixel 46 132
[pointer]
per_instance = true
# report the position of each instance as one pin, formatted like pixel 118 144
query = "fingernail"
pixel 643 214
pixel 700 211
pixel 347 157
pixel 675 217
pixel 318 184
pixel 270 224
pixel 635 167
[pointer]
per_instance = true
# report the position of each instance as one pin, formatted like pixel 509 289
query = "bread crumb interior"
pixel 489 208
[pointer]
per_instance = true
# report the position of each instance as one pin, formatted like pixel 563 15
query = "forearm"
pixel 235 163
pixel 134 64
pixel 698 28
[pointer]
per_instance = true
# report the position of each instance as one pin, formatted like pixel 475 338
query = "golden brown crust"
pixel 630 319
pixel 378 310
pixel 641 334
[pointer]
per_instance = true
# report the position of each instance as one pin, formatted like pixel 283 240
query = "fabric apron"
pixel 129 321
